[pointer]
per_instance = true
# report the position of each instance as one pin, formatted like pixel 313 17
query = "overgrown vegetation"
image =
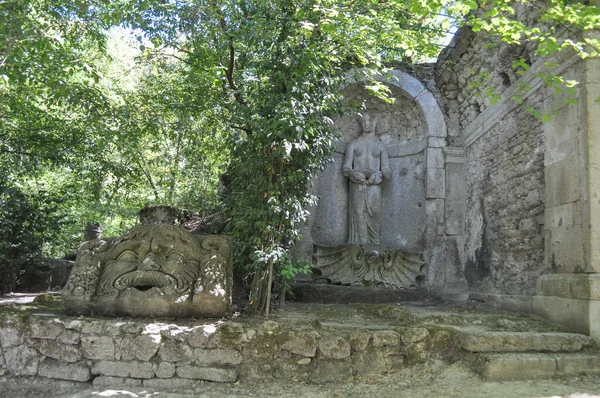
pixel 111 106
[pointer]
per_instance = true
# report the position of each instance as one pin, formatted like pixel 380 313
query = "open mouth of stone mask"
pixel 145 281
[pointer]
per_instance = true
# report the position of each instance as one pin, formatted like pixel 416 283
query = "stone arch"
pixel 436 123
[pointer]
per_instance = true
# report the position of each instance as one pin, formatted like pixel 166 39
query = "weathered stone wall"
pixel 502 250
pixel 160 355
pixel 527 183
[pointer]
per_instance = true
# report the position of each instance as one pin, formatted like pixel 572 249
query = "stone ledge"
pixel 522 341
pixel 513 366
pixel 571 286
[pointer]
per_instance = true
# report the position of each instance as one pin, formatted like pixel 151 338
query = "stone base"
pixel 582 316
pixel 572 300
pixel 337 294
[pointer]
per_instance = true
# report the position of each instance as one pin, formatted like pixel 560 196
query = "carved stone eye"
pixel 128 255
pixel 175 256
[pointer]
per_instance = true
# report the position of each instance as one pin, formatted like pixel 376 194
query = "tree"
pixel 262 77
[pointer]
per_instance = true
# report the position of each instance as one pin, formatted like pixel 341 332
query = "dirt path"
pixel 424 381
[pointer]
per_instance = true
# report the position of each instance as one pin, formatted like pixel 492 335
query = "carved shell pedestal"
pixel 369 265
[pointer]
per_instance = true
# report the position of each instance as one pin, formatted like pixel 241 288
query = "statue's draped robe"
pixel 364 204
pixel 367 155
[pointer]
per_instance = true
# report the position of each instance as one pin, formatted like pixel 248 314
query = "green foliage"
pixel 23 222
pixel 110 123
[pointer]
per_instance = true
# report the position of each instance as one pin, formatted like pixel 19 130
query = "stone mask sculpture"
pixel 153 270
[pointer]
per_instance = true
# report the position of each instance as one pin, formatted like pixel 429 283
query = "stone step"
pixel 484 341
pixel 519 366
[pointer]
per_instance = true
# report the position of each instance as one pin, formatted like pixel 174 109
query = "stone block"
pixel 437 142
pixel 217 356
pixel 211 374
pixel 227 335
pixel 69 337
pixel 174 333
pixel 40 328
pixel 11 332
pixel 561 180
pixel 578 315
pixel 435 183
pixel 592 70
pixel 386 338
pixel 435 158
pixel 561 151
pixel 330 371
pixel 409 84
pixel 522 341
pixel 172 351
pixel 269 328
pixel 564 249
pixel 561 129
pixel 169 384
pixel 110 381
pixel 359 340
pixel 368 362
pixel 145 346
pixel 334 347
pixel 456 199
pixel 91 327
pixel 433 117
pixel 288 370
pixel 516 366
pixel 22 360
pixel 98 347
pixel 200 336
pixel 414 335
pixel 256 371
pixel 575 286
pixel 73 324
pixel 164 370
pixel 577 363
pixel 64 352
pixel 54 369
pixel 563 215
pixel 133 328
pixel 139 370
pixel 301 343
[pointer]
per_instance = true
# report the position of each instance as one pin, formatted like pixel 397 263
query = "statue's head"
pixel 367 122
pixel 162 270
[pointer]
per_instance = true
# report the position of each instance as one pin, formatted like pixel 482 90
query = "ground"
pixel 431 380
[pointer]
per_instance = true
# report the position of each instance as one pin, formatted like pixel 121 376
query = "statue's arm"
pixel 385 163
pixel 348 159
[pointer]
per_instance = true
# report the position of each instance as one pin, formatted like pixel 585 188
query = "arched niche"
pixel 414 130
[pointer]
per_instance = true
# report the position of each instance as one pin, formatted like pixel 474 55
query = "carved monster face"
pixel 153 270
pixel 151 265
pixel 152 260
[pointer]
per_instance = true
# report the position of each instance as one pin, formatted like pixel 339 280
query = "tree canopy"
pixel 111 105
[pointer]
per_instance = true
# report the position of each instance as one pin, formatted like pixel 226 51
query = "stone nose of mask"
pixel 149 264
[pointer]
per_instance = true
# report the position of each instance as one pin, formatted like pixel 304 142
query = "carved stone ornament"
pixel 153 270
pixel 369 265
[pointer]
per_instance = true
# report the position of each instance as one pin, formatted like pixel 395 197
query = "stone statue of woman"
pixel 366 165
